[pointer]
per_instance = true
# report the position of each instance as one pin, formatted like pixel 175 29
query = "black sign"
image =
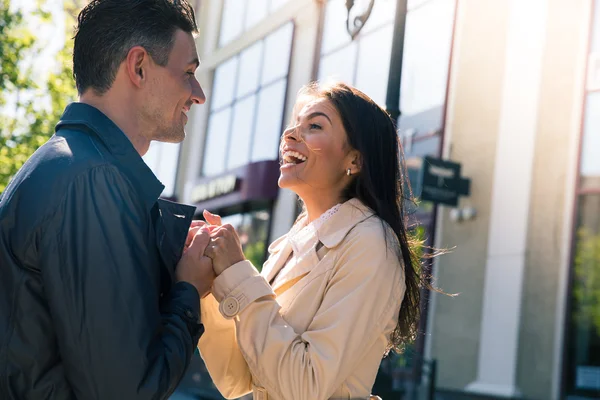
pixel 441 182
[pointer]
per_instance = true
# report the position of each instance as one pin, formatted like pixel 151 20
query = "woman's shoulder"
pixel 373 231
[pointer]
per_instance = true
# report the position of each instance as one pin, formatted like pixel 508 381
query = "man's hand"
pixel 194 267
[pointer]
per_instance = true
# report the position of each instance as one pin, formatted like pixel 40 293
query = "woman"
pixel 341 288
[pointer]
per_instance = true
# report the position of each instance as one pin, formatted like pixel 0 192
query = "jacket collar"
pixel 85 117
pixel 335 229
pixel 331 234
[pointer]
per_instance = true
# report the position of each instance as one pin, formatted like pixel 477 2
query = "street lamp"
pixel 392 99
pixel 359 20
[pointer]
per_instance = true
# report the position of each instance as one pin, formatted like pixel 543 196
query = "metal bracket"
pixel 359 21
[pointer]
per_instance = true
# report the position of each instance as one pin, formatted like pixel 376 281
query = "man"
pixel 96 299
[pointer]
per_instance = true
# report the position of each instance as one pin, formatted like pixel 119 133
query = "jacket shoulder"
pixel 373 231
pixel 40 184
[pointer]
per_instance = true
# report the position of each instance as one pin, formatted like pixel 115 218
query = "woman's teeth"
pixel 293 157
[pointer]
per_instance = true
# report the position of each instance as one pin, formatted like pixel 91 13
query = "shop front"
pixel 244 198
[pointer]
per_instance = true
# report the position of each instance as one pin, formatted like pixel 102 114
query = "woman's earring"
pixel 348 172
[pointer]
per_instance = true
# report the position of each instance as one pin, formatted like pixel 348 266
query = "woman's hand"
pixel 224 248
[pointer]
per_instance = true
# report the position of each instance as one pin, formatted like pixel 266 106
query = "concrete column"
pixel 507 240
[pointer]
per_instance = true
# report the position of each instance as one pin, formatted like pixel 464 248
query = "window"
pixel 365 61
pixel 582 344
pixel 583 359
pixel 253 230
pixel 248 103
pixel 427 44
pixel 240 15
pixel 590 146
pixel 162 159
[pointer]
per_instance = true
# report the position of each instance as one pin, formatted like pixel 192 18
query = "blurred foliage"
pixel 586 289
pixel 37 107
pixel 255 252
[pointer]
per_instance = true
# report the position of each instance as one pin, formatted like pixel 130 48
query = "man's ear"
pixel 137 63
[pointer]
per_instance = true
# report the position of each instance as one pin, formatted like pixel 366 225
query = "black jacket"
pixel 89 308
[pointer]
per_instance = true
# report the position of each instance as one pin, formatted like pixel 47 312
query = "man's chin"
pixel 171 137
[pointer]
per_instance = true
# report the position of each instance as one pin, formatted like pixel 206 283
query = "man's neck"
pixel 116 108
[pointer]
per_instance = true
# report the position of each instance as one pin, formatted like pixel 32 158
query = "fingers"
pixel 190 236
pixel 197 223
pixel 200 240
pixel 214 246
pixel 212 219
pixel 225 231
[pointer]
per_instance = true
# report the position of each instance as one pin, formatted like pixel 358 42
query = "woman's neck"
pixel 316 206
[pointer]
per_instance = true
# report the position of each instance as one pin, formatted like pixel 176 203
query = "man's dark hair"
pixel 108 29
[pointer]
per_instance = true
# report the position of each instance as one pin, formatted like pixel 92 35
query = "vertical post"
pixel 432 379
pixel 392 99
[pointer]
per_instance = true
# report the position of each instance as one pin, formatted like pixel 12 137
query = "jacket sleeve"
pixel 363 294
pixel 102 284
pixel 220 352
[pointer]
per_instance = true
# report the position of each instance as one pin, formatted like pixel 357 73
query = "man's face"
pixel 171 92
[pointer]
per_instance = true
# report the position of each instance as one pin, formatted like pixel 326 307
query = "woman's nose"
pixel 290 133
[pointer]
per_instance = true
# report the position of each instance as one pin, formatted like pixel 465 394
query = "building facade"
pixel 508 89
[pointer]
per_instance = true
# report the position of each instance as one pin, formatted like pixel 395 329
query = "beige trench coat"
pixel 321 331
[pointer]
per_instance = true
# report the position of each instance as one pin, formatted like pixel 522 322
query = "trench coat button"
pixel 230 306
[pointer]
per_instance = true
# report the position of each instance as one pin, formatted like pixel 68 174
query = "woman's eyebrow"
pixel 317 114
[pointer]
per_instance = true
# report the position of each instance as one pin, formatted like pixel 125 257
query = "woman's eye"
pixel 191 73
pixel 315 126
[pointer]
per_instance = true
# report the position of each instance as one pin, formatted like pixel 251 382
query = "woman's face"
pixel 315 151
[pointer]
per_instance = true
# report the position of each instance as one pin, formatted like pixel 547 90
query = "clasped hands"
pixel 210 249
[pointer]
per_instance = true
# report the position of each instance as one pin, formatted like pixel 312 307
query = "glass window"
pixel 162 159
pixel 383 13
pixel 334 33
pixel 269 122
pixel 582 359
pixel 590 147
pixel 364 62
pixel 426 56
pixel 224 84
pixel 241 133
pixel 340 65
pixel 253 230
pixel 245 123
pixel 374 62
pixel 595 47
pixel 216 142
pixel 257 10
pixel 232 20
pixel 250 66
pixel 583 372
pixel 239 16
pixel 278 47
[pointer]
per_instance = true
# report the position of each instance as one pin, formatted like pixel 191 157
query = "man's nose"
pixel 198 96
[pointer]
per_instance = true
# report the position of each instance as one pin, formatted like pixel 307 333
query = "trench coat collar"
pixel 331 233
